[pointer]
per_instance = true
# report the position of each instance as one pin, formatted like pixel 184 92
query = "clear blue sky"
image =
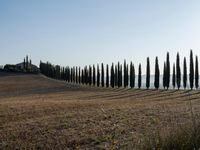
pixel 83 32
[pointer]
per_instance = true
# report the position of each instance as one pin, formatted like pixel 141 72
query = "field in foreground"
pixel 40 113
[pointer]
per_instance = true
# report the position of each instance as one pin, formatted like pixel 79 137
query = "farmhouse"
pixel 25 66
pixel 30 67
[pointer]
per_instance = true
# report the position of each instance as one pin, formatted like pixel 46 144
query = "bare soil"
pixel 41 113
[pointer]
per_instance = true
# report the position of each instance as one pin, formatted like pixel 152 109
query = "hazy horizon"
pixel 88 32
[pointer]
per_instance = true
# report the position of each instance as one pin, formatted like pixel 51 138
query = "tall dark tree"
pixel 79 75
pixel 133 69
pixel 82 77
pixel 127 77
pixel 116 76
pixel 71 75
pixel 107 76
pixel 148 74
pixel 66 74
pixel 131 74
pixel 157 74
pixel 196 73
pixel 76 74
pixel 86 75
pixel 164 75
pixel 90 75
pixel 174 77
pixel 102 75
pixel 98 76
pixel 167 71
pixel 112 76
pixel 24 64
pixel 125 73
pixel 139 76
pixel 178 71
pixel 191 70
pixel 94 76
pixel 119 75
pixel 184 73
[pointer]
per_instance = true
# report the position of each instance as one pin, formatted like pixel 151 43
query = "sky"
pixel 86 32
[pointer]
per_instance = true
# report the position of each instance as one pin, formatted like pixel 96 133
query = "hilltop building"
pixel 25 66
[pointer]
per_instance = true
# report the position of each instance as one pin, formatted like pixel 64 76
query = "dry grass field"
pixel 41 113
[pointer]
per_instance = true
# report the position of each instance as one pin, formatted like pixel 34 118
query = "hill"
pixel 41 113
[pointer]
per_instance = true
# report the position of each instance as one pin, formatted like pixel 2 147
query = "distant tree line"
pixel 118 76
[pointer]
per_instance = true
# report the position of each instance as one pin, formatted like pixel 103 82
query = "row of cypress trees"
pixel 118 77
pixel 193 74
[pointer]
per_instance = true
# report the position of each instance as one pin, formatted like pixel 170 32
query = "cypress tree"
pixel 127 77
pixel 178 71
pixel 71 75
pixel 98 76
pixel 79 75
pixel 157 74
pixel 116 76
pixel 24 64
pixel 102 75
pixel 174 77
pixel 121 75
pixel 164 75
pixel 148 74
pixel 66 74
pixel 184 73
pixel 90 75
pixel 139 76
pixel 94 76
pixel 112 76
pixel 76 74
pixel 124 73
pixel 61 73
pixel 191 70
pixel 107 76
pixel 86 75
pixel 82 77
pixel 131 74
pixel 167 71
pixel 133 69
pixel 197 73
pixel 74 69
